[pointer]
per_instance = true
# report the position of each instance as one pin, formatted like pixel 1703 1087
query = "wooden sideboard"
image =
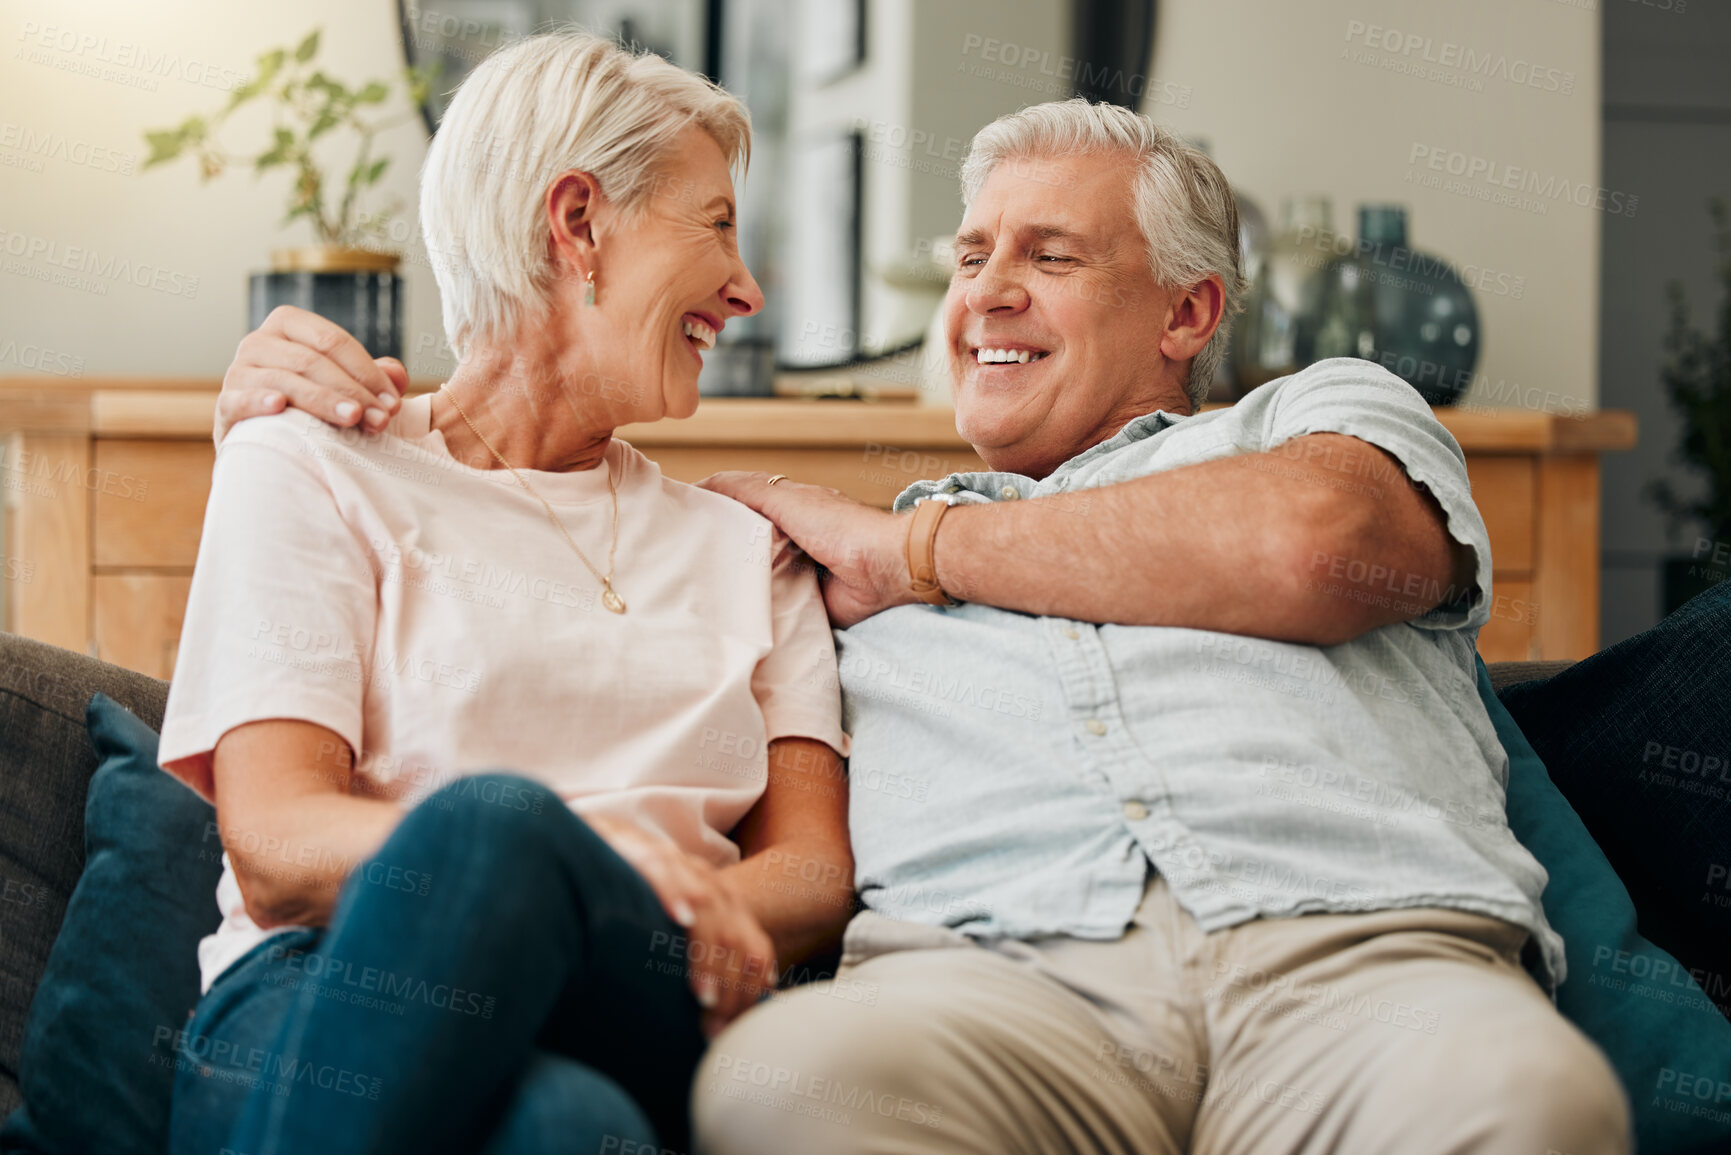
pixel 105 482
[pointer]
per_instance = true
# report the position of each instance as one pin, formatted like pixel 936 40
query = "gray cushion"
pixel 46 761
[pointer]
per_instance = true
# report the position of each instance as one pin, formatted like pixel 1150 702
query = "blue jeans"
pixel 496 979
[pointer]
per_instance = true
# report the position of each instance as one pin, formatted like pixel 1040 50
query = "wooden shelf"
pixel 184 408
pixel 113 474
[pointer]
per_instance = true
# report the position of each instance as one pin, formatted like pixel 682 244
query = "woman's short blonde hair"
pixel 545 105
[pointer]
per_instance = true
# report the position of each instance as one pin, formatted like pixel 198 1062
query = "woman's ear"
pixel 572 201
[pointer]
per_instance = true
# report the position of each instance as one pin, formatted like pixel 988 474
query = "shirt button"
pixel 1070 633
pixel 1010 493
pixel 1135 811
pixel 1096 727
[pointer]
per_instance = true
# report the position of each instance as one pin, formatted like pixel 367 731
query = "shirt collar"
pixel 997 486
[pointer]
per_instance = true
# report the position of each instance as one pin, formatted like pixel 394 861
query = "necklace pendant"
pixel 614 603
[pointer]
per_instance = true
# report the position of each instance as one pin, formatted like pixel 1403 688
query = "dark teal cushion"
pixel 1666 1039
pixel 97 1069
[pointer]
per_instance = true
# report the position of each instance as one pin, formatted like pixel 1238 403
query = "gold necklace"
pixel 609 597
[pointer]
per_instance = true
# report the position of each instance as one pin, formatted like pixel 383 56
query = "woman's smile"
pixel 700 330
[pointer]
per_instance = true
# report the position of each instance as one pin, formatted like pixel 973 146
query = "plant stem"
pixel 354 185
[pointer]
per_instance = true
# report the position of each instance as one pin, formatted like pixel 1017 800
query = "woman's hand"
pixel 729 957
pixel 299 359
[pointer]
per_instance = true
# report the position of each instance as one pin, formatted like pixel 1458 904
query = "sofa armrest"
pixel 46 761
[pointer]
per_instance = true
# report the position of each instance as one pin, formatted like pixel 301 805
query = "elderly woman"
pixel 512 740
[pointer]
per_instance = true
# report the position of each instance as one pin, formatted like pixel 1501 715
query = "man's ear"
pixel 572 200
pixel 1196 314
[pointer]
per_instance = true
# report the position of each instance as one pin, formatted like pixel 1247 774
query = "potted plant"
pixel 1696 374
pixel 346 276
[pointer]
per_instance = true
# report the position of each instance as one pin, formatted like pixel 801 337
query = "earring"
pixel 589 288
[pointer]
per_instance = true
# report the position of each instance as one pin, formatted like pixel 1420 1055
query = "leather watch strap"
pixel 922 560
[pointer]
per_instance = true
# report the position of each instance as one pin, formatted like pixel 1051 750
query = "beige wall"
pixel 1292 101
pixel 85 100
pixel 1281 92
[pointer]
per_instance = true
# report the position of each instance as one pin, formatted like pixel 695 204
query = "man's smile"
pixel 1012 353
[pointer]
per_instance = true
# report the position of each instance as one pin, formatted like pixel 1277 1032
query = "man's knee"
pixel 1552 1089
pixel 1580 1097
pixel 806 1067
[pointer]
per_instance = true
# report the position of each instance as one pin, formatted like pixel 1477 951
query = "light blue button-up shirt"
pixel 1017 776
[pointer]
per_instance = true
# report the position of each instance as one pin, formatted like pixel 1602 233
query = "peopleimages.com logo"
pixel 1449 60
pixel 1484 178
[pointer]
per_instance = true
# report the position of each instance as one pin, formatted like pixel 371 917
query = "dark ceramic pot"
pixel 356 288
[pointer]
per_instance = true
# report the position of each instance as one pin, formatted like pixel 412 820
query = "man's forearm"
pixel 1255 544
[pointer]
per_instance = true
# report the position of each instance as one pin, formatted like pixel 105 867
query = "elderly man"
pixel 1204 848
pixel 1178 823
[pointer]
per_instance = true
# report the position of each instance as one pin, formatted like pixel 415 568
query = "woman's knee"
pixel 495 799
pixel 486 835
pixel 478 815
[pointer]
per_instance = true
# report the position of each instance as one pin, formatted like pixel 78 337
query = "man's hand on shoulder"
pixel 298 359
pixel 863 548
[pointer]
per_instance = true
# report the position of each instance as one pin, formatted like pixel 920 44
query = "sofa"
pixel 46 761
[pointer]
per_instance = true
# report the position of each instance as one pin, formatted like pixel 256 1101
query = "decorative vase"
pixel 1406 310
pixel 738 368
pixel 358 289
pixel 1271 337
pixel 1254 239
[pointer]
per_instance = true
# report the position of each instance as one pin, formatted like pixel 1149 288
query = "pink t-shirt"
pixel 429 615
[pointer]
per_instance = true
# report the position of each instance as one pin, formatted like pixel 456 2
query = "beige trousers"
pixel 1402 1031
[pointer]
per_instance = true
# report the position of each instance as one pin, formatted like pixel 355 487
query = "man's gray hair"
pixel 537 108
pixel 1183 203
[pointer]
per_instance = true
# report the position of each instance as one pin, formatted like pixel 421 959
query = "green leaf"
pixel 269 64
pixel 280 153
pixel 164 146
pixel 323 124
pixel 374 93
pixel 333 88
pixel 308 47
pixel 420 80
pixel 365 175
pixel 193 128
